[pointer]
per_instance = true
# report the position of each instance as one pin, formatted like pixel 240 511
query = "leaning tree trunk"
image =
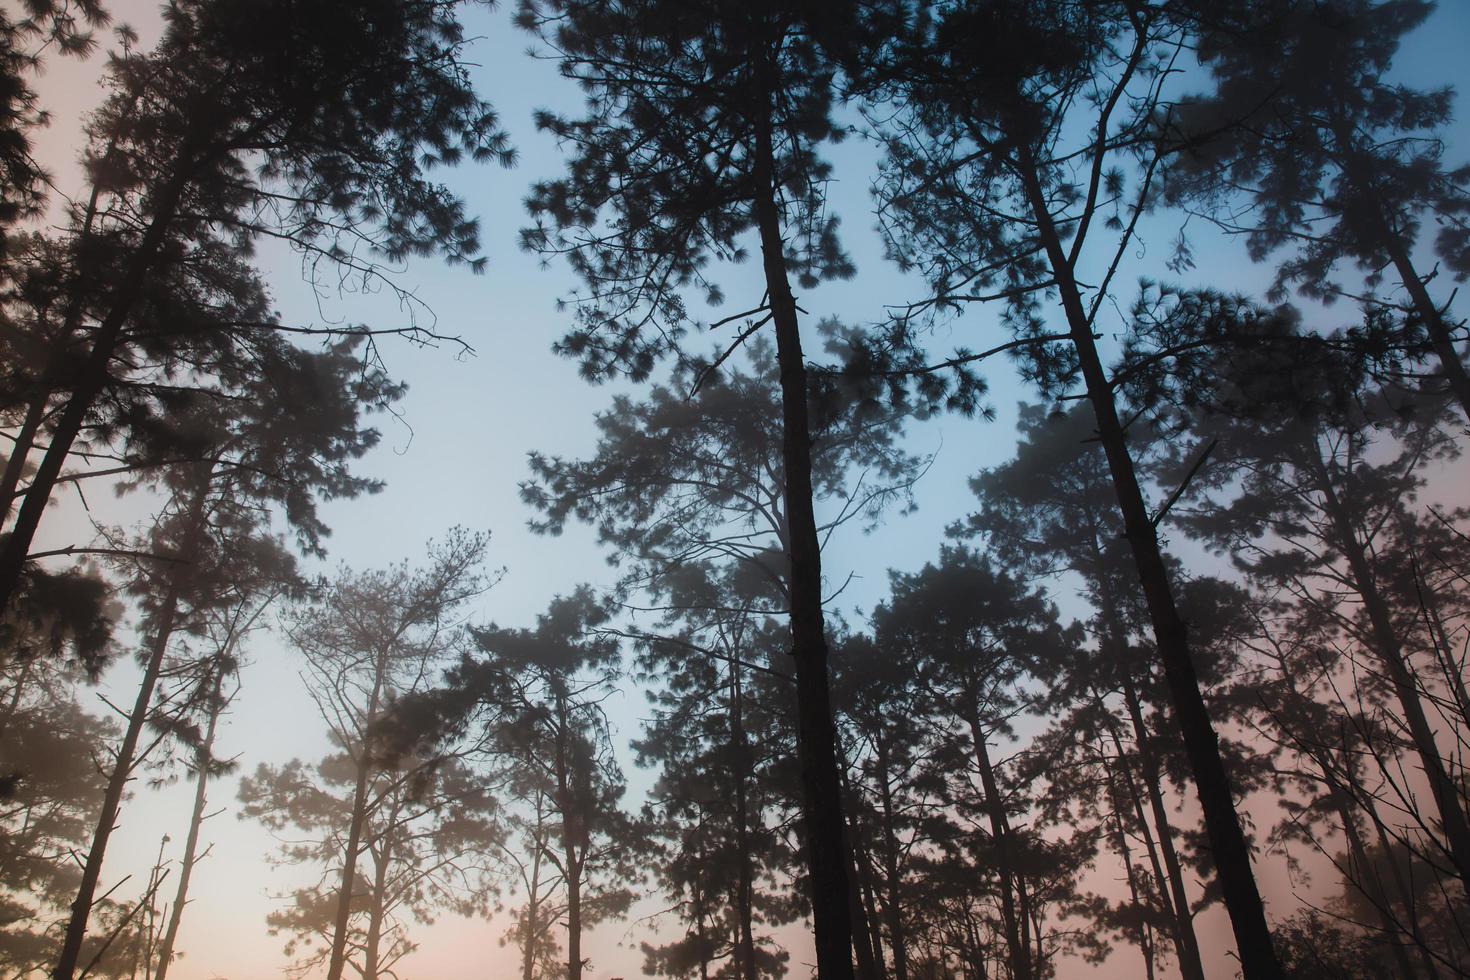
pixel 867 947
pixel 1000 836
pixel 1365 877
pixel 92 379
pixel 816 739
pixel 1403 887
pixel 338 961
pixel 1187 944
pixel 202 758
pixel 1201 745
pixel 1125 854
pixel 1361 171
pixel 81 909
pixel 40 399
pixel 745 887
pixel 1176 898
pixel 897 940
pixel 1386 645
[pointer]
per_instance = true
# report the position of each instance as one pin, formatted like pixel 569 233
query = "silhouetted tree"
pixel 1313 514
pixel 1337 162
pixel 975 636
pixel 26 35
pixel 370 638
pixel 51 790
pixel 1051 509
pixel 313 125
pixel 720 711
pixel 1021 138
pixel 276 448
pixel 530 706
pixel 701 131
pixel 213 687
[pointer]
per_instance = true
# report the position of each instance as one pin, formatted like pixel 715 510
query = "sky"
pixel 458 453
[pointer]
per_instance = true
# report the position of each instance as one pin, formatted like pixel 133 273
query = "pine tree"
pixel 273 448
pixel 369 638
pixel 1020 137
pixel 1338 163
pixel 310 124
pixel 701 131
pixel 720 707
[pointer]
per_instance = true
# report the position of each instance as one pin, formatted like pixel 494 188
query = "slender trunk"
pixel 92 379
pixel 574 916
pixel 572 838
pixel 1361 170
pixel 1439 334
pixel 866 946
pixel 338 961
pixel 1365 877
pixel 702 932
pixel 25 438
pixel 20 450
pixel 745 887
pixel 1390 655
pixel 1125 854
pixel 371 954
pixel 530 926
pixel 1202 746
pixel 1187 945
pixel 81 909
pixel 897 941
pixel 1406 892
pixel 1173 894
pixel 816 739
pixel 1453 670
pixel 1000 836
pixel 202 757
pixel 867 942
pixel 1030 922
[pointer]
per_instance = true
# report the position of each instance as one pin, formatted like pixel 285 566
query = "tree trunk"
pixel 574 916
pixel 1390 655
pixel 371 954
pixel 866 943
pixel 897 941
pixel 1439 334
pixel 1222 825
pixel 572 837
pixel 866 946
pixel 1000 836
pixel 1366 880
pixel 25 438
pixel 202 757
pixel 530 926
pixel 338 960
pixel 1176 898
pixel 1125 854
pixel 816 739
pixel 1187 944
pixel 745 887
pixel 81 909
pixel 1406 893
pixel 1360 169
pixel 93 378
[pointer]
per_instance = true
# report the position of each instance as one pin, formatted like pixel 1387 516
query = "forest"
pixel 861 489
